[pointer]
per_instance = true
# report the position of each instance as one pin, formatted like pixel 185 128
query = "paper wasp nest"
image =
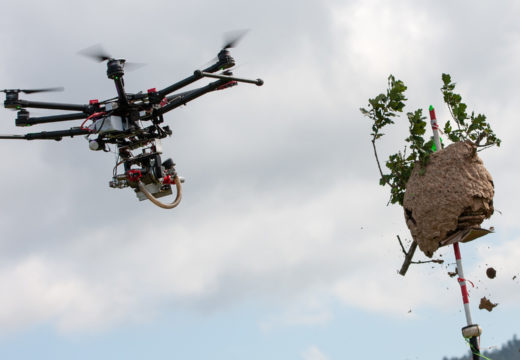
pixel 454 192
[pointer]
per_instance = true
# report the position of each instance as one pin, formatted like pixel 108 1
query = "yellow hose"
pixel 157 202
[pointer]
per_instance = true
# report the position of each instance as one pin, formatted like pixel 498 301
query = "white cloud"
pixel 37 290
pixel 313 353
pixel 282 202
pixel 273 250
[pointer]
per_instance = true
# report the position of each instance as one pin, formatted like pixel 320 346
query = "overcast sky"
pixel 283 246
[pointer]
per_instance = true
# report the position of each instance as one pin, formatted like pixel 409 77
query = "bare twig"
pixel 453 116
pixel 408 255
pixel 436 261
pixel 377 158
pixel 402 246
pixel 393 186
pixel 481 137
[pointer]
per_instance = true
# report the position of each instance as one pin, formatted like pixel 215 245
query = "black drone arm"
pixel 48 135
pixel 23 118
pixel 178 85
pixel 182 99
pixel 15 104
pixel 224 62
pixel 258 82
pixel 224 81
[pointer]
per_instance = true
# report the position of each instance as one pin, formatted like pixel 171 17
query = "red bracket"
pixel 227 85
pixel 168 180
pixel 133 175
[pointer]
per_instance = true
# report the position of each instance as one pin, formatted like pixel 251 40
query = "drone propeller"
pixel 32 91
pixel 96 52
pixel 232 38
pixel 99 54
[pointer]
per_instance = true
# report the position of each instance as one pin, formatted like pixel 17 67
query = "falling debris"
pixel 486 304
pixel 514 277
pixel 453 192
pixel 491 273
pixel 453 273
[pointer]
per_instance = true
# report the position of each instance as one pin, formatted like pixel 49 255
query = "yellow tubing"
pixel 157 202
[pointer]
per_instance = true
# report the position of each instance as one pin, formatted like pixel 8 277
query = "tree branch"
pixel 481 137
pixel 407 256
pixel 436 261
pixel 377 158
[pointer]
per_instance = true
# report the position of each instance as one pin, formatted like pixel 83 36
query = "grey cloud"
pixel 245 151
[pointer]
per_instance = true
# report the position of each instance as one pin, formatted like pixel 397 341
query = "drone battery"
pixel 108 124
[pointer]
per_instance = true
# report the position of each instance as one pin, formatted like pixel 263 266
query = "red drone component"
pixel 92 117
pixel 227 85
pixel 168 180
pixel 134 175
pixel 93 101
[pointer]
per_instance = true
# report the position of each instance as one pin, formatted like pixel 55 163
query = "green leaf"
pixel 447 127
pixel 383 109
pixel 446 79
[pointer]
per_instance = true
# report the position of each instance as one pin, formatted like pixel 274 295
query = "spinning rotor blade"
pixel 96 52
pixel 14 137
pixel 99 54
pixel 131 66
pixel 232 38
pixel 32 91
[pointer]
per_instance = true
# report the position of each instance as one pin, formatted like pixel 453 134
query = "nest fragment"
pixel 453 192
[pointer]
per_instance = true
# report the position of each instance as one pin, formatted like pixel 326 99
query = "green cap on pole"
pixel 432 113
pixel 437 144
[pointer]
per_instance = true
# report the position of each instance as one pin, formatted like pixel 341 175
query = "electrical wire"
pixel 95 115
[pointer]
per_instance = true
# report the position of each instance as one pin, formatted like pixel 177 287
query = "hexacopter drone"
pixel 132 122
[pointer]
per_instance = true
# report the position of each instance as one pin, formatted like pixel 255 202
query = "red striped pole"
pixel 456 248
pixel 435 128
pixel 462 283
pixel 471 331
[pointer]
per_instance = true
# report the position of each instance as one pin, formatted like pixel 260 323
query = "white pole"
pixel 471 330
